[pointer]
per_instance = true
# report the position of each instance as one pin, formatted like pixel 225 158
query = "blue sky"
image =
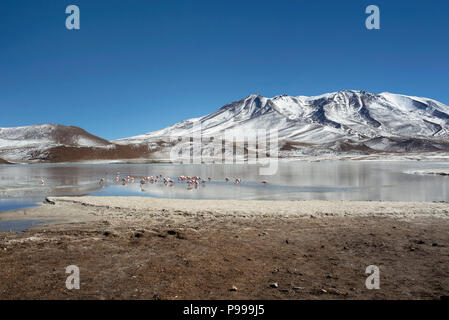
pixel 138 66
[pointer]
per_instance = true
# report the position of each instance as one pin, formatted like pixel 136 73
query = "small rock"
pixel 412 249
pixel 335 291
pixel 48 201
pixel 233 288
pixel 286 241
pixel 274 285
pixel 434 244
pixel 106 233
pixel 323 291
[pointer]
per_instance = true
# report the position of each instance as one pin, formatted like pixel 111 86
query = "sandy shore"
pixel 145 248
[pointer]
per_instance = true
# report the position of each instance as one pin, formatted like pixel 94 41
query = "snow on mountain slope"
pixel 48 134
pixel 357 122
pixel 402 123
pixel 24 143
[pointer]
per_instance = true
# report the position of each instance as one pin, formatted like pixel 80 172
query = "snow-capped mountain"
pixel 46 135
pixel 341 121
pixel 35 142
pixel 58 143
pixel 346 122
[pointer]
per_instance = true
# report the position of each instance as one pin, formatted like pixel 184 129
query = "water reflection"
pixel 336 180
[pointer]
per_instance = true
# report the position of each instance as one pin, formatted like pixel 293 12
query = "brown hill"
pixel 4 161
pixel 73 154
pixel 58 143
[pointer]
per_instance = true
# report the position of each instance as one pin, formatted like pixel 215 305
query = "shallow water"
pixel 17 203
pixel 18 225
pixel 326 180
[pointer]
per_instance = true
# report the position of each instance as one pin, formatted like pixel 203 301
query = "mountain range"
pixel 338 123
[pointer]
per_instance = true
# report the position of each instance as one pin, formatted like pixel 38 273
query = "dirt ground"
pixel 167 253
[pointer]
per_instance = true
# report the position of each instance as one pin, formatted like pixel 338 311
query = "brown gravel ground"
pixel 156 252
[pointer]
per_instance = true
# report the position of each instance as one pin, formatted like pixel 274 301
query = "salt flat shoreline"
pixel 114 206
pixel 147 248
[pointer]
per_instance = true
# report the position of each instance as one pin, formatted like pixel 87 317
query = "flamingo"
pixel 227 179
pixel 264 182
pixel 42 182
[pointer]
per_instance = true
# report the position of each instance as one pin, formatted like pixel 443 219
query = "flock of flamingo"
pixel 193 182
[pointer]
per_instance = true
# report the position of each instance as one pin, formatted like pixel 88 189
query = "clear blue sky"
pixel 138 66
